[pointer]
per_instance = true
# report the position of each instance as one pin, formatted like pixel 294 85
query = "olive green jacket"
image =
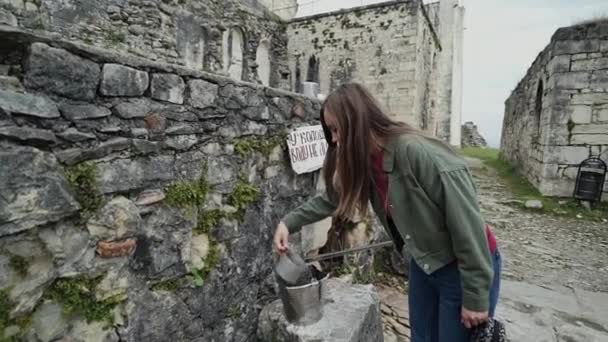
pixel 433 203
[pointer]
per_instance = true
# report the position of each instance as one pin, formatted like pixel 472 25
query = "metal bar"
pixel 348 251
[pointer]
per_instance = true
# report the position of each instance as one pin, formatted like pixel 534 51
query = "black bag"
pixel 490 331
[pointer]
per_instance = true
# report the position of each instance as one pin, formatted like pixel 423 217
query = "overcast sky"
pixel 502 39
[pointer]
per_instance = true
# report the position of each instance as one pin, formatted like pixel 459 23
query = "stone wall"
pixel 558 114
pixel 471 136
pixel 389 47
pixel 138 198
pixel 210 35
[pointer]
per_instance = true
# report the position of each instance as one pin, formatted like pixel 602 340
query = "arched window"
pixel 262 59
pixel 538 106
pixel 234 45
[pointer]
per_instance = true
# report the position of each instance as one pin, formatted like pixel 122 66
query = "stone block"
pixel 34 190
pixel 29 135
pixel 590 64
pixel 28 104
pixel 127 174
pixel 571 80
pixel 604 45
pixel 590 139
pixel 600 113
pixel 61 72
pixel 167 87
pixel 559 64
pixel 591 129
pixel 120 80
pixel 599 80
pixel 74 135
pixel 571 155
pixel 580 114
pixel 590 98
pixel 7 18
pixel 202 93
pixel 135 108
pixel 352 314
pixel 571 47
pixel 83 111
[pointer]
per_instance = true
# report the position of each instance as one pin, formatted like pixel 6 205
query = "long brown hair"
pixel 361 126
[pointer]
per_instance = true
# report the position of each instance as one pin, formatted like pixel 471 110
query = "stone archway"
pixel 262 59
pixel 233 47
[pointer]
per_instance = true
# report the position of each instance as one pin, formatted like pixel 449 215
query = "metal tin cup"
pixel 290 267
pixel 303 305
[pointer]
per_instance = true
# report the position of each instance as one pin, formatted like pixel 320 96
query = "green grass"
pixel 524 190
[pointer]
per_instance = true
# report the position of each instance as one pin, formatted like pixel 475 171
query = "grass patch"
pixel 246 146
pixel 83 180
pixel 243 195
pixel 77 296
pixel 523 190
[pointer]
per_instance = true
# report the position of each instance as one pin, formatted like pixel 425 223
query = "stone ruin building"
pixel 557 116
pixel 408 54
pixel 142 166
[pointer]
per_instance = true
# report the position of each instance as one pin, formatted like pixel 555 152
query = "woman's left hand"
pixel 471 319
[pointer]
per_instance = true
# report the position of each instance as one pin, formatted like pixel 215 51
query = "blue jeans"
pixel 435 302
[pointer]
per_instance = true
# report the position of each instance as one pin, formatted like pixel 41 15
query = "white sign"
pixel 307 148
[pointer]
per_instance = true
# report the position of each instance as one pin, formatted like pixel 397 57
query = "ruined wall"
pixel 138 198
pixel 197 34
pixel 388 47
pixel 558 114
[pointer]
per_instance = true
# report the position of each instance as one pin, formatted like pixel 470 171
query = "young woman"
pixel 426 200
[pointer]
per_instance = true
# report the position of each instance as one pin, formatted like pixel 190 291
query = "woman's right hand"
pixel 281 237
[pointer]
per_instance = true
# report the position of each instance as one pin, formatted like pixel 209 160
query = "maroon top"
pixel 381 185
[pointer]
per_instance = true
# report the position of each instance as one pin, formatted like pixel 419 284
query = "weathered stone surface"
pixel 48 322
pixel 181 142
pixel 590 64
pixel 28 104
pixel 34 189
pixel 200 249
pixel 580 114
pixel 124 175
pixel 149 197
pixel 590 139
pixel 471 136
pixel 74 135
pixel 7 18
pixel 11 83
pixel 83 111
pixel 29 135
pixel 571 80
pixel 119 80
pixel 146 146
pixel 69 247
pixel 116 220
pixel 180 129
pixel 82 331
pixel 135 108
pixel 62 73
pixel 534 204
pixel 566 154
pixel 560 64
pixel 163 246
pixel 149 323
pixel 202 93
pixel 570 47
pixel 113 285
pixel 352 314
pixel 599 79
pixel 167 87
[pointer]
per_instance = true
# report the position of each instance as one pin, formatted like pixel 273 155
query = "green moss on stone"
pixel 245 146
pixel 5 308
pixel 77 296
pixel 243 195
pixel 19 264
pixel 116 37
pixel 207 219
pixel 170 285
pixel 188 194
pixel 83 179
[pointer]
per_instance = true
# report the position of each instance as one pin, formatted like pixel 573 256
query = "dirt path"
pixel 543 249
